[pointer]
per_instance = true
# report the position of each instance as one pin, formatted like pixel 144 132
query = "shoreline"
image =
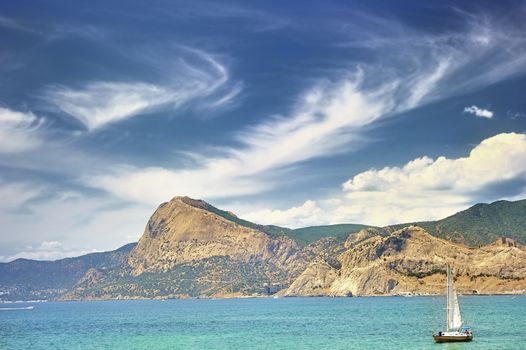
pixel 259 297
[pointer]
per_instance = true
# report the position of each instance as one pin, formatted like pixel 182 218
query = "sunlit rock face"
pixel 411 260
pixel 183 230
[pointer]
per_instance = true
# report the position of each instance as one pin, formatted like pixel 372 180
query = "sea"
pixel 498 322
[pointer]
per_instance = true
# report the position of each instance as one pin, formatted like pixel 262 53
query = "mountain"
pixel 411 260
pixel 481 224
pixel 31 279
pixel 190 248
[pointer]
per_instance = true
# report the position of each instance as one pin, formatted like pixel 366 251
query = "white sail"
pixel 454 321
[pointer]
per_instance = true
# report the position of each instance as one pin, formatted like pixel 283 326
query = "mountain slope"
pixel 412 260
pixel 33 279
pixel 307 235
pixel 181 231
pixel 481 223
pixel 191 249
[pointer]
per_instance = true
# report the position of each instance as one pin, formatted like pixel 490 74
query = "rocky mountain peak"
pixel 185 230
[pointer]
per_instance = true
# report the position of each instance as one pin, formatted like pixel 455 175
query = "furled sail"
pixel 454 320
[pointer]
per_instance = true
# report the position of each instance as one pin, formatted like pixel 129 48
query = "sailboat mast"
pixel 448 296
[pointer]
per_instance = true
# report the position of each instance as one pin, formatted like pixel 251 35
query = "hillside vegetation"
pixel 481 223
pixel 307 235
pixel 33 279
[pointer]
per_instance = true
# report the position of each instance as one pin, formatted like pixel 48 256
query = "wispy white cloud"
pixel 100 103
pixel 324 120
pixel 46 250
pixel 14 24
pixel 479 112
pixel 19 131
pixel 328 118
pixel 45 222
pixel 483 50
pixel 14 194
pixel 251 18
pixel 515 115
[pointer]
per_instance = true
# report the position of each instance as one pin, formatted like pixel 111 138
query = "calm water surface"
pixel 287 323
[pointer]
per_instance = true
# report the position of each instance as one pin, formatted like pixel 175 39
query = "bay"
pixel 499 322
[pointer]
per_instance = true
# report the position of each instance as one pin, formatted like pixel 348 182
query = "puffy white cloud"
pixel 19 131
pixel 100 103
pixel 498 158
pixel 428 189
pixel 305 215
pixel 479 112
pixel 422 189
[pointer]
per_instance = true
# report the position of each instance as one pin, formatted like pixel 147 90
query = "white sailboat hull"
pixel 449 337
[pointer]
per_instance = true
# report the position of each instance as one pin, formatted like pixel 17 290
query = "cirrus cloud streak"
pixel 99 103
pixel 19 131
pixel 332 116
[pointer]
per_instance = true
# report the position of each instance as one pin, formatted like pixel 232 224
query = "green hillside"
pixel 307 235
pixel 482 223
pixel 302 236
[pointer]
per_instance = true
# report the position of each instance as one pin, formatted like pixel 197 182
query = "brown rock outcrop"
pixel 411 260
pixel 183 231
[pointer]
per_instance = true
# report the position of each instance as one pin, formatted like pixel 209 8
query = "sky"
pixel 289 113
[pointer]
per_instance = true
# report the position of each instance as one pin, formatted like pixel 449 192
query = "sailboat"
pixel 455 331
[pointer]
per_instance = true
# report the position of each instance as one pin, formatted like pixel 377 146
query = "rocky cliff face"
pixel 182 231
pixel 411 260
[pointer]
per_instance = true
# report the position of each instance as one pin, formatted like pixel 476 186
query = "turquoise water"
pixel 286 323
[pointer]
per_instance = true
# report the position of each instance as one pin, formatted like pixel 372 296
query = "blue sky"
pixel 293 114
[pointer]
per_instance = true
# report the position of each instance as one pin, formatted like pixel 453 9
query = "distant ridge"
pixel 307 235
pixel 33 279
pixel 481 223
